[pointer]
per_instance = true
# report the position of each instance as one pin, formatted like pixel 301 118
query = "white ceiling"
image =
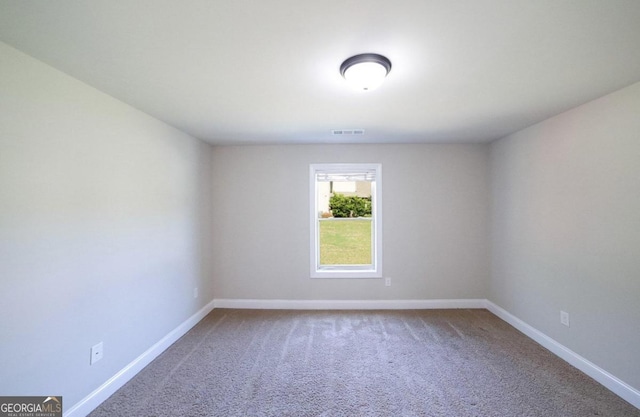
pixel 267 71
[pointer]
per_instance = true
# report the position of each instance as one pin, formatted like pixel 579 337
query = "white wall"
pixel 105 217
pixel 435 228
pixel 566 229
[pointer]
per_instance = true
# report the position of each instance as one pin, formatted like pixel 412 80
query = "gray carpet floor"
pixel 436 363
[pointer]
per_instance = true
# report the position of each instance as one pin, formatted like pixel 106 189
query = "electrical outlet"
pixel 97 352
pixel 564 318
pixel 387 282
pixel 195 292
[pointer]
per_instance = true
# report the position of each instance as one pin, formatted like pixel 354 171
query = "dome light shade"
pixel 365 72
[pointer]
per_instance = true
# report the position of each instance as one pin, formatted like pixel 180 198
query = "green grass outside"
pixel 345 242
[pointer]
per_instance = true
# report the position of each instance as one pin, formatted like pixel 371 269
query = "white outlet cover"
pixel 97 351
pixel 564 318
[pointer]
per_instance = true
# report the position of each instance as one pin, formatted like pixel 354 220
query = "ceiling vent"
pixel 347 132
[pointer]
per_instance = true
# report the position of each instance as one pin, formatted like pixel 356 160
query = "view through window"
pixel 345 220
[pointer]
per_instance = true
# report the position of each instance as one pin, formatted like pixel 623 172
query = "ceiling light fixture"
pixel 365 72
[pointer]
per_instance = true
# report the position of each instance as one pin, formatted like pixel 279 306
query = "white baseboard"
pixel 104 391
pixel 347 304
pixel 621 388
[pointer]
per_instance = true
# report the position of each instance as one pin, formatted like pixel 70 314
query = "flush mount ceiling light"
pixel 365 72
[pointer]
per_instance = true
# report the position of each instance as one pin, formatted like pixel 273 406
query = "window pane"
pixel 345 233
pixel 345 241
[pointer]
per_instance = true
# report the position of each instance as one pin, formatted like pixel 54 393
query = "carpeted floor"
pixel 452 363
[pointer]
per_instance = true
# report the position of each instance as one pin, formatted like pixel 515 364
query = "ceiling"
pixel 267 71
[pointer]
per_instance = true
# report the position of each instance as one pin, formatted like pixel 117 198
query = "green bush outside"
pixel 350 206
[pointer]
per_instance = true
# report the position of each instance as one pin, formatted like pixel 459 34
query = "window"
pixel 346 220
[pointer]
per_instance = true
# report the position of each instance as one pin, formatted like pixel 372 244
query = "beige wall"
pixel 435 227
pixel 566 229
pixel 104 230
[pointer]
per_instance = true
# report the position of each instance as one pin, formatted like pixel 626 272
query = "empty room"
pixel 330 208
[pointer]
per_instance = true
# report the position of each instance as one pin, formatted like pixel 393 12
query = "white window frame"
pixel 346 271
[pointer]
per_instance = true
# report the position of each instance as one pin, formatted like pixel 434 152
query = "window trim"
pixel 349 272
